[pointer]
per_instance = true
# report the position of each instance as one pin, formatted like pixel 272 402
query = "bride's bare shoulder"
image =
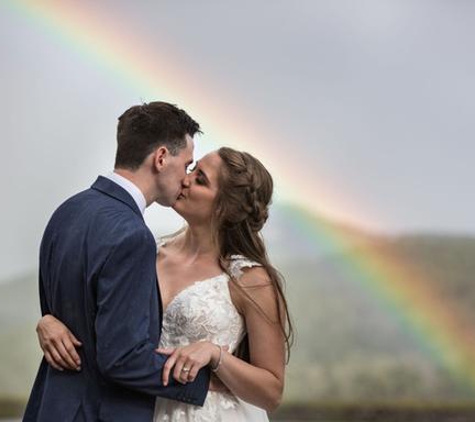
pixel 255 276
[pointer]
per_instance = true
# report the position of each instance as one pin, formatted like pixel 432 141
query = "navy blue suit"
pixel 98 276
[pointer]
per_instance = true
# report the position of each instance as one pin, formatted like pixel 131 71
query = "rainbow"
pixel 441 329
pixel 405 293
pixel 151 73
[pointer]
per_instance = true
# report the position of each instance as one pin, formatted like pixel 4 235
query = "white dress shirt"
pixel 131 189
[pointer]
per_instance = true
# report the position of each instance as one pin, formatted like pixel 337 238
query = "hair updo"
pixel 245 192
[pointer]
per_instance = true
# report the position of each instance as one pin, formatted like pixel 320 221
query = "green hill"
pixel 348 348
pixel 19 353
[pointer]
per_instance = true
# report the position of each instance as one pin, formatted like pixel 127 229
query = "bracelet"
pixel 220 360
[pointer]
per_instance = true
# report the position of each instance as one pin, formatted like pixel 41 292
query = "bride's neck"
pixel 197 242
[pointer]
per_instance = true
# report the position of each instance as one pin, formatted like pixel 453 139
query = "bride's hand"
pixel 188 360
pixel 58 344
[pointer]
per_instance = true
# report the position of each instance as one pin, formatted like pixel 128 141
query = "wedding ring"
pixel 185 369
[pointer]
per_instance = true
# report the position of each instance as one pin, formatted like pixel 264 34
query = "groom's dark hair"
pixel 143 128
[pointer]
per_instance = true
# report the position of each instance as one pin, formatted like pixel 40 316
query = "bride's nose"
pixel 186 181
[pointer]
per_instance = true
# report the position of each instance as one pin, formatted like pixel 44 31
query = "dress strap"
pixel 238 263
pixel 160 241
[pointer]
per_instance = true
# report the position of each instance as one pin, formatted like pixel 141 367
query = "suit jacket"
pixel 97 275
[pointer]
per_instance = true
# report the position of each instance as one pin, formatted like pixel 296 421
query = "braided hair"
pixel 241 209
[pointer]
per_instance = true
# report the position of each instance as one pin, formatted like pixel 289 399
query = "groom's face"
pixel 173 174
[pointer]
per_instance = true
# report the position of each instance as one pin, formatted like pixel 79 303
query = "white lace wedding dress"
pixel 204 311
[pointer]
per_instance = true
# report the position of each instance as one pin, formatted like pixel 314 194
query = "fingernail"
pixel 78 368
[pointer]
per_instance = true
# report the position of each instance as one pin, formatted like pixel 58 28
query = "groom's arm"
pixel 125 353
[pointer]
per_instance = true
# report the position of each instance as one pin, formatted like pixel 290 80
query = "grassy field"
pixel 335 412
pixel 377 412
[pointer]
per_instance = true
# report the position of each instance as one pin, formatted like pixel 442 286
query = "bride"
pixel 223 303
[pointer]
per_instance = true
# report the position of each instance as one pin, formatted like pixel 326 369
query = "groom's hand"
pixel 58 344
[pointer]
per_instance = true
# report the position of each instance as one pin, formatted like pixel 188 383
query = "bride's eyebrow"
pixel 203 174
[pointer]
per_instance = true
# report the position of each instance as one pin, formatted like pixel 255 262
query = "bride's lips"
pixel 181 196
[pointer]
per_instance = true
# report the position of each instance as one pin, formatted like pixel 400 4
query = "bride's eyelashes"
pixel 202 178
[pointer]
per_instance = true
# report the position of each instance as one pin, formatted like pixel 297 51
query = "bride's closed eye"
pixel 200 180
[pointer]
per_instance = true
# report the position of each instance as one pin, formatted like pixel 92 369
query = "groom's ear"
pixel 160 157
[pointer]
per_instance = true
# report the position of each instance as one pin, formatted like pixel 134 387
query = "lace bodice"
pixel 205 311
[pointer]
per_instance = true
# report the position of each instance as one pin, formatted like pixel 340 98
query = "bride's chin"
pixel 177 207
pixel 182 213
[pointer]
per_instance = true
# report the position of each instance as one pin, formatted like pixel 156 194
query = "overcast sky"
pixel 362 110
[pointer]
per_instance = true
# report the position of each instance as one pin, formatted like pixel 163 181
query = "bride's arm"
pixel 58 344
pixel 260 382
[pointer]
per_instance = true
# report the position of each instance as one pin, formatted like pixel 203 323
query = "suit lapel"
pixel 112 189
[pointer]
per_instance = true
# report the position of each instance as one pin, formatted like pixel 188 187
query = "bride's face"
pixel 195 203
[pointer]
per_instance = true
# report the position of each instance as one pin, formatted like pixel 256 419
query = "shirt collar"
pixel 131 189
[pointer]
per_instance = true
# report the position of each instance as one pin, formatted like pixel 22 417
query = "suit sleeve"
pixel 45 309
pixel 45 251
pixel 125 353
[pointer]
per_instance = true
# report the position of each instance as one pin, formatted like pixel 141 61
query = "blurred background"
pixel 362 111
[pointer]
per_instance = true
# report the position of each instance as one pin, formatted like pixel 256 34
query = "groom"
pixel 97 275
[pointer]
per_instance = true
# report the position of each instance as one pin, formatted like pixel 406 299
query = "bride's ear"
pixel 160 157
